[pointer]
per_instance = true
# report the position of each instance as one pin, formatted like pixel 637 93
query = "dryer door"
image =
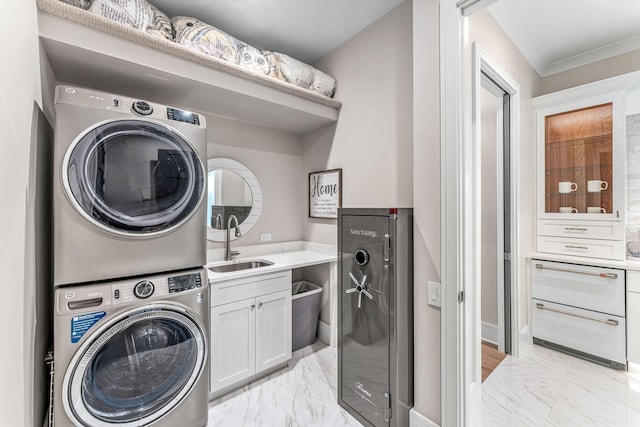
pixel 135 369
pixel 133 177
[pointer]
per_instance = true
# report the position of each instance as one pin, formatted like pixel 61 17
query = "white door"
pixel 273 329
pixel 233 331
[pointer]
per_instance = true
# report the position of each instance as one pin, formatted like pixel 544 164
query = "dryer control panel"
pixel 122 104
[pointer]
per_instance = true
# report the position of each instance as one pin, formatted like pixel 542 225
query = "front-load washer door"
pixel 135 369
pixel 133 177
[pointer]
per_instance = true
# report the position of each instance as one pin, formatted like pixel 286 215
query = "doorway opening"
pixel 495 213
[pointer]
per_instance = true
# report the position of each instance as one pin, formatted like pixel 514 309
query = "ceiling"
pixel 304 30
pixel 556 35
pixel 553 35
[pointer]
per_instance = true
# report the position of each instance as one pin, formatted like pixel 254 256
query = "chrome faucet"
pixel 228 255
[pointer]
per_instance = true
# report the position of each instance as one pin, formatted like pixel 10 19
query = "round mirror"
pixel 232 189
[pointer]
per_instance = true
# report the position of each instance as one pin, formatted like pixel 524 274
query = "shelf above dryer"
pixel 111 57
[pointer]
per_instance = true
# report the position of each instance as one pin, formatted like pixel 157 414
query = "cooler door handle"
pixel 387 247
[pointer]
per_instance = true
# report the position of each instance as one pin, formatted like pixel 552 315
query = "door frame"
pixel 460 389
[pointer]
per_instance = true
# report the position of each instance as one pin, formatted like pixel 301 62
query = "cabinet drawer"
pixel 587 331
pixel 607 249
pixel 249 287
pixel 607 230
pixel 591 288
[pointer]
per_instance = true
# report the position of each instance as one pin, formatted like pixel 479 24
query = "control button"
pixel 70 295
pixel 116 294
pixel 142 107
pixel 116 103
pixel 70 90
pixel 143 289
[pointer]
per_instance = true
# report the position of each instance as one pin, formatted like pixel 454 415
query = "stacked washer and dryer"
pixel 131 296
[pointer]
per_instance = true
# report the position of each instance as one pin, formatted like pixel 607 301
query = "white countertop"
pixel 281 261
pixel 628 264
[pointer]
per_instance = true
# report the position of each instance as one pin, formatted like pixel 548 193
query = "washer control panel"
pixel 184 282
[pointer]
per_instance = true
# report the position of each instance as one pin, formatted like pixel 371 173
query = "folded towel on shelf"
pixel 208 39
pixel 138 14
pixel 300 74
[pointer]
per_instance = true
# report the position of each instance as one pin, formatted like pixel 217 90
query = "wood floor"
pixel 491 358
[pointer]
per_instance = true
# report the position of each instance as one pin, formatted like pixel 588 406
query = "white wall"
pixel 484 30
pixel 20 86
pixel 275 159
pixel 489 212
pixel 372 140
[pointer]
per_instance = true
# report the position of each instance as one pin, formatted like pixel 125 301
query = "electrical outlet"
pixel 265 237
pixel 433 292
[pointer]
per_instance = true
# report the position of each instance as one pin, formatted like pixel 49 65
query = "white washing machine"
pixel 133 352
pixel 129 180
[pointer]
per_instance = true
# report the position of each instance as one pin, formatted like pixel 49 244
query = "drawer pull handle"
pixel 582 248
pixel 609 322
pixel 586 273
pixel 575 229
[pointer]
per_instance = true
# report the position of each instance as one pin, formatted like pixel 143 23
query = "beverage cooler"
pixel 375 321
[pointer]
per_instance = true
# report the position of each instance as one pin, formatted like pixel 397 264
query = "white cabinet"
pixel 633 316
pixel 581 181
pixel 250 327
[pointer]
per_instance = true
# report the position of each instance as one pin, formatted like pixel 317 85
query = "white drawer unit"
pixel 595 336
pixel 592 288
pixel 582 229
pixel 591 248
pixel 580 310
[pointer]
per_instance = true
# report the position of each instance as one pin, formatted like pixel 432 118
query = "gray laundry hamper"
pixel 306 304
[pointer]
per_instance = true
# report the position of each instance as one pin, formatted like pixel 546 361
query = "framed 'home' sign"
pixel 325 193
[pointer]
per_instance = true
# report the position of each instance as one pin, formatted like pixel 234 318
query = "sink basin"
pixel 236 266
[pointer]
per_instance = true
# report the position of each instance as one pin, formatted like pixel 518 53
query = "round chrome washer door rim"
pixel 72 384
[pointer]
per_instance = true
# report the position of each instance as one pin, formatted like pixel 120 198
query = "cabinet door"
pixel 633 327
pixel 233 332
pixel 273 329
pixel 581 155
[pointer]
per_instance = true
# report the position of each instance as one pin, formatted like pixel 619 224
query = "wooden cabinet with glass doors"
pixel 578 161
pixel 581 173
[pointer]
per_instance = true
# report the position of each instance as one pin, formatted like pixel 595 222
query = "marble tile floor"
pixel 303 394
pixel 547 388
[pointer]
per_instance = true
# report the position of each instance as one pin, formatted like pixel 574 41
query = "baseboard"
pixel 490 333
pixel 324 332
pixel 416 419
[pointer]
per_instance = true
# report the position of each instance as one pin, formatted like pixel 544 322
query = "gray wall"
pixel 372 140
pixel 600 70
pixel 275 158
pixel 489 211
pixel 484 30
pixel 20 86
pixel 387 142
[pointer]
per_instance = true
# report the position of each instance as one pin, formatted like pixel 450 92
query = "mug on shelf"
pixel 596 185
pixel 596 209
pixel 567 209
pixel 567 187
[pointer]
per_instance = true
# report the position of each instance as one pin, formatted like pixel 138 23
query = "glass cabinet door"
pixel 578 161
